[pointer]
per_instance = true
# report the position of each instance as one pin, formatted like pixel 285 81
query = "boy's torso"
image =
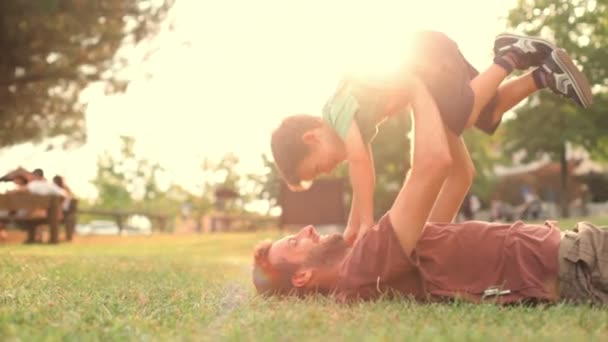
pixel 456 261
pixel 368 100
pixel 359 102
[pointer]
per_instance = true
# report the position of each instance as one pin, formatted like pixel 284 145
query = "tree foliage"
pixel 485 151
pixel 53 49
pixel 547 123
pixel 126 180
pixel 544 124
pixel 224 174
pixel 391 150
pixel 265 186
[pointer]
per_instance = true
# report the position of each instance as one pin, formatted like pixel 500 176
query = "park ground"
pixel 166 287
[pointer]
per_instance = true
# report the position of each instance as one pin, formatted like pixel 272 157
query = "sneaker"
pixel 528 51
pixel 564 78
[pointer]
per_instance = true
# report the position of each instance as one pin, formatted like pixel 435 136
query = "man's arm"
pixel 362 176
pixel 431 162
pixel 457 184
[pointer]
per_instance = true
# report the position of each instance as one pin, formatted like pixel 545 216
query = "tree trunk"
pixel 564 198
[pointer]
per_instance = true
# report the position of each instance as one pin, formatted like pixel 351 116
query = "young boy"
pixel 305 146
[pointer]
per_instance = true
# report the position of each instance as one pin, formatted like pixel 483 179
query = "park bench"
pixel 17 206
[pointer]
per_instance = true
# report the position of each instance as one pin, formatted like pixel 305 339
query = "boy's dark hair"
pixel 287 146
pixel 38 172
pixel 58 180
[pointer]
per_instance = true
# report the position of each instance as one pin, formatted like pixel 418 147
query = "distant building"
pixel 542 178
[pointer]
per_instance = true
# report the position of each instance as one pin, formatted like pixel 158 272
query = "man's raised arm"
pixel 431 162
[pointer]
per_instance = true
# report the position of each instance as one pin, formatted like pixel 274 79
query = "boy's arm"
pixel 457 184
pixel 431 162
pixel 362 177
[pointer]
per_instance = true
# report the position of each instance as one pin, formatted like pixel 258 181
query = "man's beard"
pixel 328 252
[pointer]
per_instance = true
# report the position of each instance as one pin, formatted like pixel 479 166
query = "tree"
pixel 391 150
pixel 224 174
pixel 53 49
pixel 265 186
pixel 126 181
pixel 485 151
pixel 546 124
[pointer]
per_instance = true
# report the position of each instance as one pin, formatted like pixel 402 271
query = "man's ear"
pixel 301 277
pixel 312 137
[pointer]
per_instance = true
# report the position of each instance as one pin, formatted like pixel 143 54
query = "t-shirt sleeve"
pixel 340 109
pixel 376 258
pixel 360 100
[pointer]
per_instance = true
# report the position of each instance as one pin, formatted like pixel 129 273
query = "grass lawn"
pixel 197 288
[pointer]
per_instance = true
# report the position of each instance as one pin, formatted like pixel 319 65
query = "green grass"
pixel 197 288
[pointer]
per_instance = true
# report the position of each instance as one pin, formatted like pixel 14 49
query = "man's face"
pixel 307 247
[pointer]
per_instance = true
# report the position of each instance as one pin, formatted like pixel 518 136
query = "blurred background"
pixel 157 114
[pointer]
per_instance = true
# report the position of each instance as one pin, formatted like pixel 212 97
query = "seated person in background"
pixel 20 185
pixel 68 194
pixel 39 185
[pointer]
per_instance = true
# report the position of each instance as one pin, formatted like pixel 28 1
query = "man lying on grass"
pixel 408 254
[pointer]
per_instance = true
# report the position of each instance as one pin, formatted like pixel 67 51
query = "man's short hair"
pixel 271 279
pixel 38 172
pixel 275 279
pixel 287 146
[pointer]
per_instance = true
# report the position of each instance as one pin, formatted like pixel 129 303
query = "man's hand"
pixel 350 235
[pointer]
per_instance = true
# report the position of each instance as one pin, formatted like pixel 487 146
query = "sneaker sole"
pixel 580 82
pixel 533 39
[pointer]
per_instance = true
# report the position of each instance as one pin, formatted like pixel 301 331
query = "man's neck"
pixel 327 277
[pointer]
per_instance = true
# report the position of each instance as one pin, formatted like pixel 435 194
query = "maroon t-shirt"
pixel 455 260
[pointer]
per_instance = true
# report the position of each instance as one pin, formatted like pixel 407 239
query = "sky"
pixel 230 70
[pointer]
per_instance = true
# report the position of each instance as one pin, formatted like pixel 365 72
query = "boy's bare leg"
pixel 550 76
pixel 555 71
pixel 512 52
pixel 484 87
pixel 511 93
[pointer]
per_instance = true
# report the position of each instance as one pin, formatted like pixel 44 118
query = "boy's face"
pixel 324 154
